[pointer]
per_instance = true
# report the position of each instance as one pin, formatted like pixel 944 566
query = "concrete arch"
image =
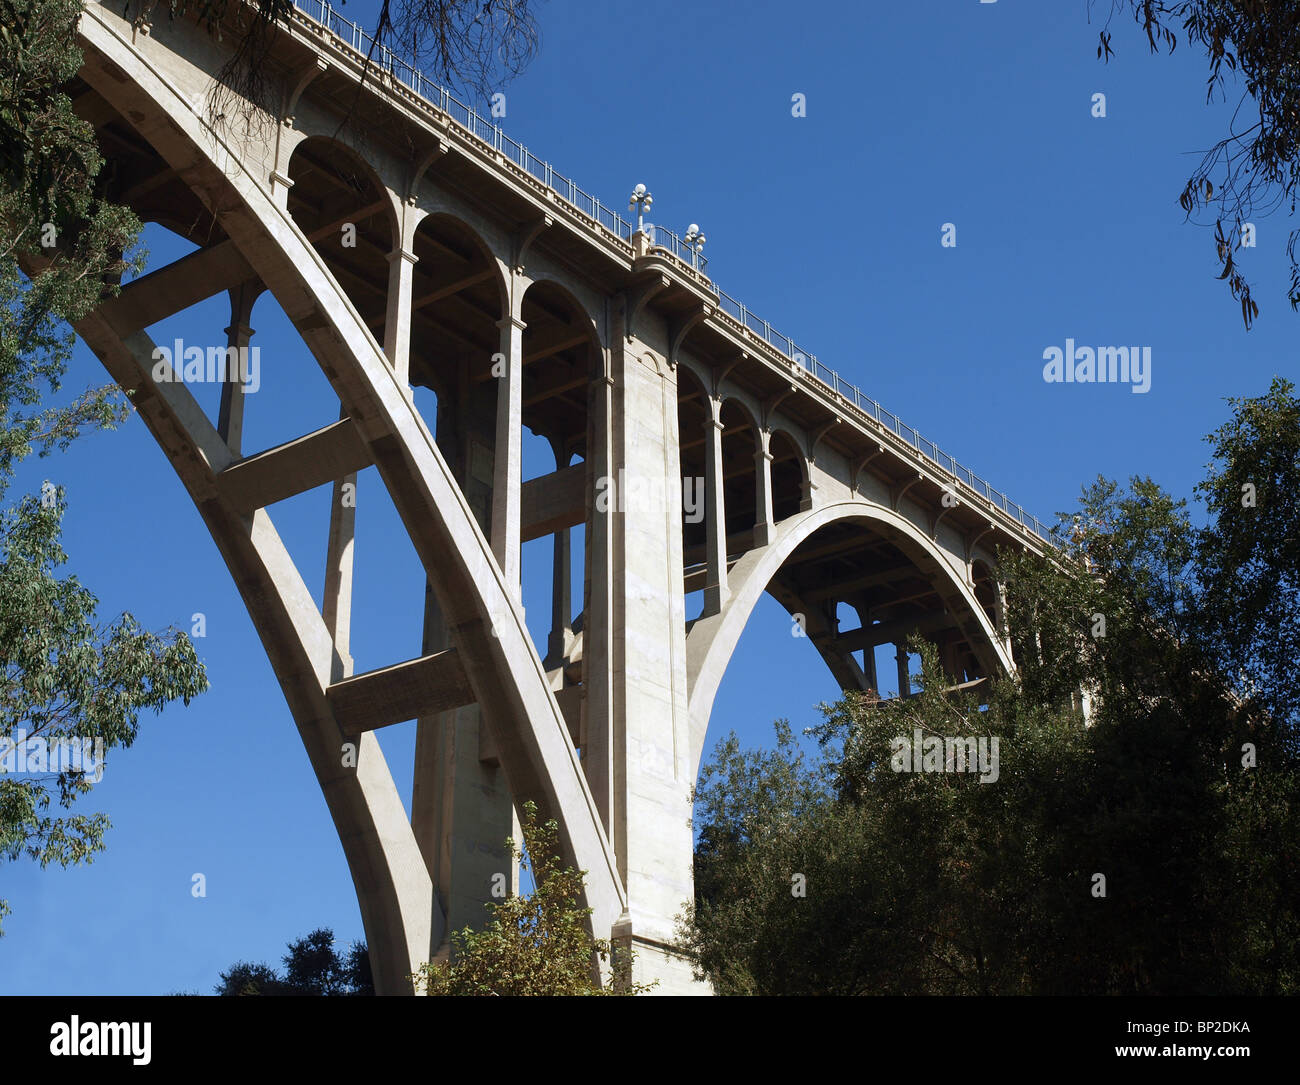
pixel 501 274
pixel 500 663
pixel 592 322
pixel 745 408
pixel 785 504
pixel 712 640
pixel 696 372
pixel 356 161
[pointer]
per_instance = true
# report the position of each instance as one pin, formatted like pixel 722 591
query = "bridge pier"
pixel 636 613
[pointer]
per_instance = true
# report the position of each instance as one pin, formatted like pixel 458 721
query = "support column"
pixel 948 656
pixel 461 807
pixel 764 524
pixel 509 452
pixel 869 668
pixel 461 810
pixel 1000 614
pixel 868 653
pixel 230 418
pixel 397 316
pixel 716 591
pixel 557 643
pixel 637 724
pixel 337 610
pixel 904 678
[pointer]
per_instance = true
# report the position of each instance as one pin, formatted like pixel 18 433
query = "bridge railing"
pixel 662 238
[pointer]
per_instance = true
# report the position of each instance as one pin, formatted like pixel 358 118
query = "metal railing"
pixel 661 238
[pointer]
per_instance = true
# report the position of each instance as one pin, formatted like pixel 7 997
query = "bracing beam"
pixel 404 691
pixel 174 288
pixel 295 467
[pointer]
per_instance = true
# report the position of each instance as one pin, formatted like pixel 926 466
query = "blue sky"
pixel 828 226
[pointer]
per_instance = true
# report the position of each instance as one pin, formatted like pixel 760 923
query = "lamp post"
pixel 641 200
pixel 694 240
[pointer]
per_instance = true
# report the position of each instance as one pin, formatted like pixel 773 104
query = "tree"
pixel 1249 560
pixel 1257 167
pixel 770 836
pixel 311 967
pixel 1146 851
pixel 533 945
pixel 69 683
pixel 471 45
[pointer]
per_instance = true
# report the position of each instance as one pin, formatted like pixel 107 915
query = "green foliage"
pixel 1257 168
pixel 938 883
pixel 49 163
pixel 311 967
pixel 63 674
pixel 1249 555
pixel 468 44
pixel 534 945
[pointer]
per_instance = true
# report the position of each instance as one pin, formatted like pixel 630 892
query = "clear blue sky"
pixel 829 226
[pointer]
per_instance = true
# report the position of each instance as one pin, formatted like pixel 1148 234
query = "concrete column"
pixel 1000 613
pixel 230 419
pixel 948 656
pixel 509 452
pixel 639 729
pixel 461 809
pixel 716 591
pixel 337 610
pixel 397 317
pixel 904 678
pixel 557 643
pixel 764 524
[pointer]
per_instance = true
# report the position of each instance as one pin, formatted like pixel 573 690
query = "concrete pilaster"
pixel 598 631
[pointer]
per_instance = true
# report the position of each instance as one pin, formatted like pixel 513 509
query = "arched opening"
pixel 789 477
pixel 561 355
pixel 337 201
pixel 878 563
pixel 456 304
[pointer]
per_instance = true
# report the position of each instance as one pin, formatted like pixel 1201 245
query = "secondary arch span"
pixel 712 640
